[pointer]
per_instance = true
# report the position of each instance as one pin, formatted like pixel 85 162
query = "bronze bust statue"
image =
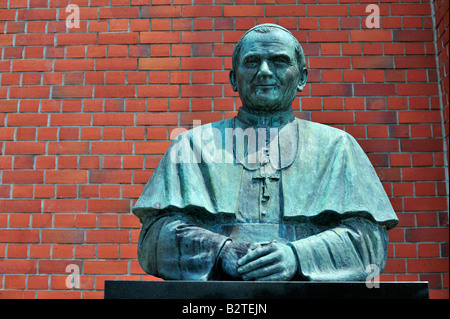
pixel 264 195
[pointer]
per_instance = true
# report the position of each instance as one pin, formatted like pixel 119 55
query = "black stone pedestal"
pixel 183 290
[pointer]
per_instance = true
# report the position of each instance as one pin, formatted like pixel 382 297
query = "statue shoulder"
pixel 323 132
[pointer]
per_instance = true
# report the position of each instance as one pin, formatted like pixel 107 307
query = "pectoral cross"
pixel 264 182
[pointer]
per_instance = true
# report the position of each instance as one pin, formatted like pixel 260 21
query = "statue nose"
pixel 264 69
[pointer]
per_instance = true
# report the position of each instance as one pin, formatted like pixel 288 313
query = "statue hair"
pixel 266 28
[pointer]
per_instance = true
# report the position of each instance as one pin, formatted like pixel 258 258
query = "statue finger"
pixel 259 263
pixel 265 272
pixel 254 254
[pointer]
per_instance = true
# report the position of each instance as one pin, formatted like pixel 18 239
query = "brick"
pixel 24 148
pixel 31 39
pixel 328 36
pixel 160 37
pixel 379 145
pixel 331 117
pixel 76 38
pixel 108 176
pixel 115 91
pixel 124 147
pixel 405 250
pixel 370 35
pixel 201 37
pixel 19 236
pixel 68 148
pixel 116 64
pixel 388 174
pixel 329 62
pixel 65 119
pixel 31 65
pixel 113 119
pixel 74 65
pixel 243 11
pixel 107 236
pixel 109 206
pixel 417 89
pixel 27 120
pixel 201 63
pixel 65 236
pixel 160 11
pixel 18 266
pixel 159 64
pixel 429 250
pixel 379 117
pixel 403 189
pixel 56 266
pixel 119 12
pixel 364 62
pixel 427 265
pixel 9 106
pixel 74 91
pixel 151 147
pixel 423 174
pixel 410 9
pixel 395 266
pixel 105 267
pixel 374 89
pixel 64 205
pixel 23 176
pixel 407 62
pixel 427 219
pixel 66 176
pixel 157 119
pixel 118 38
pixel 331 90
pixel 419 117
pixel 327 10
pixel 285 10
pixel 158 91
pixel 29 92
pixel 421 145
pixel 413 36
pixel 202 11
pixel 59 294
pixel 201 90
pixel 426 204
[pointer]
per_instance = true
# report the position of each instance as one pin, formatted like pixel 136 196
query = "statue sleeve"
pixel 172 247
pixel 344 252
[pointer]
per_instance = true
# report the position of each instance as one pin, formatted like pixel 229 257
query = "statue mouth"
pixel 265 85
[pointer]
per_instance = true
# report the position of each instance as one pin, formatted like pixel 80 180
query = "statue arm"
pixel 172 247
pixel 343 252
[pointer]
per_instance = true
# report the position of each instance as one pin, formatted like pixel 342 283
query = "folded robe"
pixel 330 177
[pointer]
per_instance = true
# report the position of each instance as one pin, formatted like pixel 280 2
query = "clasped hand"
pixel 251 261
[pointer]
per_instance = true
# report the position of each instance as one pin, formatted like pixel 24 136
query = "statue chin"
pixel 268 105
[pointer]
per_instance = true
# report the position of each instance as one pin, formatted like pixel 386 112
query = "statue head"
pixel 268 69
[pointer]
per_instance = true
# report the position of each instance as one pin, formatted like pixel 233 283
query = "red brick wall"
pixel 86 113
pixel 440 8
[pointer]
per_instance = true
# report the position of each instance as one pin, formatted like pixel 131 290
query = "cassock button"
pixel 263 213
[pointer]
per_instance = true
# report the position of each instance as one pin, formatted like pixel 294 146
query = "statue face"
pixel 268 77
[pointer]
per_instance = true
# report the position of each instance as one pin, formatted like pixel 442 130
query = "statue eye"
pixel 251 61
pixel 280 60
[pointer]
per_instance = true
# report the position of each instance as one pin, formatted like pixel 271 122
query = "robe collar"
pixel 282 145
pixel 274 120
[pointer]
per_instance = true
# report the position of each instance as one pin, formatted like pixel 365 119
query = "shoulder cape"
pixel 331 176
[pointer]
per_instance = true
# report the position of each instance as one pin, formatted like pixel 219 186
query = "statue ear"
pixel 233 80
pixel 302 79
